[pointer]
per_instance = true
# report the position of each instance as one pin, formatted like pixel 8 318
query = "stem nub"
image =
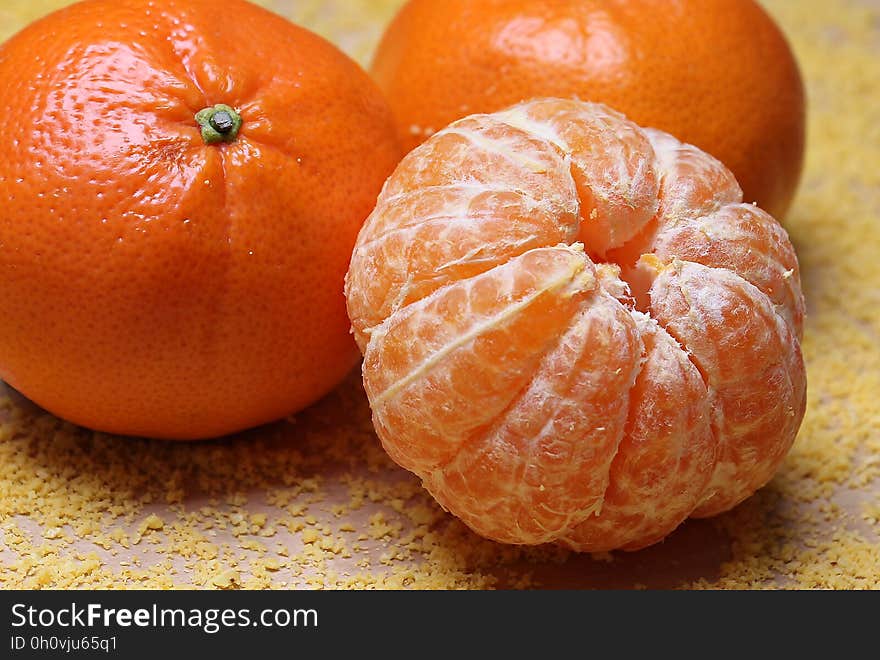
pixel 219 124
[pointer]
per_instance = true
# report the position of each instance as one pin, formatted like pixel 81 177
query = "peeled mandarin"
pixel 573 329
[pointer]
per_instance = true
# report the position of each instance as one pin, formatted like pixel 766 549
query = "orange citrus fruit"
pixel 718 74
pixel 173 276
pixel 574 330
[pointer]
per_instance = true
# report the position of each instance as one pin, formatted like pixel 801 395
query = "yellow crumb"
pixel 227 579
pixel 310 536
pixel 153 522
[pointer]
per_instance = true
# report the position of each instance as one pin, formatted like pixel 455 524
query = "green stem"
pixel 219 124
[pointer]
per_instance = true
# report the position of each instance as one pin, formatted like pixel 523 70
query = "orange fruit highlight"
pixel 167 276
pixel 574 330
pixel 718 74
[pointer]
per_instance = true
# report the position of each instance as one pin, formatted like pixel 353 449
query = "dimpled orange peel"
pixel 181 185
pixel 574 330
pixel 718 74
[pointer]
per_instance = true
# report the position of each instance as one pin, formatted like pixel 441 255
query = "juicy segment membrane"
pixel 574 330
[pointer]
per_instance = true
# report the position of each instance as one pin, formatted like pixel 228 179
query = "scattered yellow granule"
pixel 252 544
pixel 272 564
pixel 871 513
pixel 228 579
pixel 153 522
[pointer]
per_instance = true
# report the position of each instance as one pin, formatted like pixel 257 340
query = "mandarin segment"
pixel 442 368
pixel 752 366
pixel 542 396
pixel 543 464
pixel 667 454
pixel 744 239
pixel 693 183
pixel 454 245
pixel 612 165
pixel 483 149
pixel 430 227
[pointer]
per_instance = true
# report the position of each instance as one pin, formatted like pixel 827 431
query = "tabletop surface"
pixel 313 502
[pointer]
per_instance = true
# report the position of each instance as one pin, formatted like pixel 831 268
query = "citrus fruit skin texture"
pixel 718 74
pixel 152 284
pixel 574 330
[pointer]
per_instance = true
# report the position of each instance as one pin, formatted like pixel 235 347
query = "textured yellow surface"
pixel 313 502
